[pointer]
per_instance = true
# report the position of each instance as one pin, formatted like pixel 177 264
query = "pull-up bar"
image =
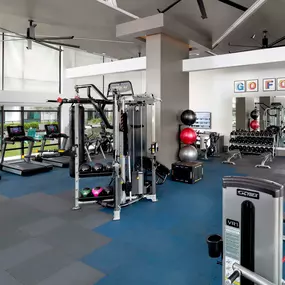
pixel 88 87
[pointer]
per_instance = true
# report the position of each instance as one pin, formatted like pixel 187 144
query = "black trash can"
pixel 215 246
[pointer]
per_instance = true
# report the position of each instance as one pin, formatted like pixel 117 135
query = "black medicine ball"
pixel 85 168
pixel 188 117
pixel 254 114
pixel 98 167
pixel 109 166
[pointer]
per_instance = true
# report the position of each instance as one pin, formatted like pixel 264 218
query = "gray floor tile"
pixel 3 198
pixel 14 215
pixel 9 238
pixel 94 220
pixel 21 252
pixel 75 240
pixel 76 273
pixel 85 211
pixel 43 226
pixel 7 279
pixel 40 267
pixel 45 203
pixel 66 196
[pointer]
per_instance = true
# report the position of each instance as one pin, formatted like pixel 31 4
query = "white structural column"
pixel 165 79
pixel 166 48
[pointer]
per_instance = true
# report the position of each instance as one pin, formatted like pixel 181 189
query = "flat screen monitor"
pixel 15 131
pixel 203 121
pixel 51 129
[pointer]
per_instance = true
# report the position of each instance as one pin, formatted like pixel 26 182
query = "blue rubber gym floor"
pixel 44 242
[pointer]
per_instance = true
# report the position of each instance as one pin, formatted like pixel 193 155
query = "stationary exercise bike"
pixel 208 145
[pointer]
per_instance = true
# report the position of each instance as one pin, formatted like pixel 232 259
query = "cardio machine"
pixel 21 167
pixel 57 158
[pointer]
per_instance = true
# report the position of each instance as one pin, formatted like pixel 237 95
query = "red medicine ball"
pixel 254 125
pixel 188 136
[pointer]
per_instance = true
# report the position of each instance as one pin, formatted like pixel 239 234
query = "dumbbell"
pixel 232 140
pixel 98 167
pixel 249 149
pixel 262 149
pixel 232 147
pixel 253 149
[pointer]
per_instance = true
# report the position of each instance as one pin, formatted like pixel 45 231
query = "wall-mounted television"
pixel 203 121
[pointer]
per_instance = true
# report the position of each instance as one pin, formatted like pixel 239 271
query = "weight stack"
pixel 81 120
pixel 187 172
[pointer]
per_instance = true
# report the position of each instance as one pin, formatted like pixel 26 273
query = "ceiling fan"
pixel 264 43
pixel 50 41
pixel 199 2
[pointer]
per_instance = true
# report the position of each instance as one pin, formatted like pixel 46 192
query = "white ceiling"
pixel 269 17
pixel 79 18
pixel 91 19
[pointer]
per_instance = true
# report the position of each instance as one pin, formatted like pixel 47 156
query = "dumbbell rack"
pixel 256 142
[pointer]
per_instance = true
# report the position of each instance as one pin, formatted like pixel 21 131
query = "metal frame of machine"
pixel 56 158
pixel 252 245
pixel 125 174
pixel 274 116
pixel 26 166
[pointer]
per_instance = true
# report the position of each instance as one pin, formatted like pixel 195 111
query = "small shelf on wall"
pixel 203 121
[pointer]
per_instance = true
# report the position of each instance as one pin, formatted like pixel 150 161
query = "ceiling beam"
pixel 233 4
pixel 251 10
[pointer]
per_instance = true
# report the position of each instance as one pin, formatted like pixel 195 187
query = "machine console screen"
pixel 15 131
pixel 51 129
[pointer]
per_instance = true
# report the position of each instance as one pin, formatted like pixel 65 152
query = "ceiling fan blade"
pixel 277 41
pixel 233 4
pixel 11 32
pixel 14 36
pixel 12 40
pixel 60 44
pixel 202 9
pixel 48 46
pixel 245 50
pixel 101 40
pixel 54 38
pixel 231 45
pixel 278 46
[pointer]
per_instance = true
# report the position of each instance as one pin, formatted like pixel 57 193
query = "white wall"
pixel 213 91
pixel 73 59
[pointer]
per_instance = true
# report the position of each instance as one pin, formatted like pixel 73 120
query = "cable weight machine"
pixel 129 148
pixel 130 131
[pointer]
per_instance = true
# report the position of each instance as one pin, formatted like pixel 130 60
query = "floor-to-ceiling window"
pixel 35 69
pixel 33 119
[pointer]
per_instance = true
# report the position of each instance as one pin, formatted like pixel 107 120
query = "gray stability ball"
pixel 188 153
